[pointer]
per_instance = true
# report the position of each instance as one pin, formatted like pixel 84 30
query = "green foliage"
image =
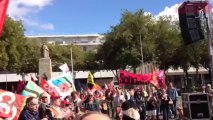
pixel 62 54
pixel 122 45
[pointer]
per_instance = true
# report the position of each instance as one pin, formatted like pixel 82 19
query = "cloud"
pixel 170 11
pixel 36 24
pixel 47 26
pixel 25 9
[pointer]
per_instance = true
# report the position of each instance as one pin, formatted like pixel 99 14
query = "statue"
pixel 44 51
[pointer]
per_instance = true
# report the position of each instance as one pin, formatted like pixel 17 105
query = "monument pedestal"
pixel 45 68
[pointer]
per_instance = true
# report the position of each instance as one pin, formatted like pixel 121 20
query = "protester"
pixel 30 111
pixel 172 92
pixel 140 97
pixel 54 111
pixel 151 106
pixel 44 103
pixel 165 104
pixel 91 104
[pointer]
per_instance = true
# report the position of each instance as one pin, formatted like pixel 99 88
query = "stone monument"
pixel 45 64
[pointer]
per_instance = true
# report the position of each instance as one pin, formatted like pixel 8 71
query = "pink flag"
pixel 161 78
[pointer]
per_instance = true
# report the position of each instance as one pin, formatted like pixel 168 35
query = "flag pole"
pixel 6 80
pixel 72 64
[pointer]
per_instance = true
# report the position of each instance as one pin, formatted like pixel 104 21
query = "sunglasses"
pixel 44 97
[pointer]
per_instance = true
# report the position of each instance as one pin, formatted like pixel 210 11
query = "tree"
pixel 122 45
pixel 18 54
pixel 12 37
pixel 62 54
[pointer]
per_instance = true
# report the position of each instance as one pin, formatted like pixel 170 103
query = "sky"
pixel 62 17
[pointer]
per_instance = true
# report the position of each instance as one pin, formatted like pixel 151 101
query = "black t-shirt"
pixel 151 104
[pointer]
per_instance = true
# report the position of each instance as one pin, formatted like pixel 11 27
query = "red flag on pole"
pixel 154 80
pixel 20 87
pixel 3 12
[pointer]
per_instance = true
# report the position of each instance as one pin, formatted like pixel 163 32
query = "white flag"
pixel 64 68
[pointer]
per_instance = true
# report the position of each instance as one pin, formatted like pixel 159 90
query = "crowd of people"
pixel 112 103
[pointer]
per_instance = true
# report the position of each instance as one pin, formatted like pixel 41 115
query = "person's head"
pixel 32 104
pixel 203 87
pixel 56 100
pixel 208 86
pixel 170 84
pixel 90 97
pixel 93 116
pixel 163 91
pixel 141 88
pixel 44 98
pixel 74 95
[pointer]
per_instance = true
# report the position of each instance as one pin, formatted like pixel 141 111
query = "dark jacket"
pixel 28 115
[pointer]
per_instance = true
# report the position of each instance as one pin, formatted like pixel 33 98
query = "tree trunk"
pixel 186 80
pixel 134 70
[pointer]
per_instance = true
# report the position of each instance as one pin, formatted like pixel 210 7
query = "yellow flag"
pixel 90 79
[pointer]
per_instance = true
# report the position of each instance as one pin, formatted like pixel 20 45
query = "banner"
pixel 63 84
pixel 32 89
pixel 157 79
pixel 49 89
pixel 133 79
pixel 3 11
pixel 11 105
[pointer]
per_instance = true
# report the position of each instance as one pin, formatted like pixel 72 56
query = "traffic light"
pixel 190 22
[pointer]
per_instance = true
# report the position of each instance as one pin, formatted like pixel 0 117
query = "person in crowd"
pixel 203 89
pixel 76 101
pixel 126 94
pixel 209 89
pixel 91 104
pixel 54 111
pixel 172 92
pixel 44 103
pixel 140 97
pixel 104 106
pixel 30 111
pixel 67 111
pixel 165 104
pixel 130 110
pixel 151 110
pixel 116 103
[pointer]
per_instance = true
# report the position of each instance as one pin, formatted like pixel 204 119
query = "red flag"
pixel 45 86
pixel 10 105
pixel 20 87
pixel 154 80
pixel 97 87
pixel 3 11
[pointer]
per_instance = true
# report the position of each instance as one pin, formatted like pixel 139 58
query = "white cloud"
pixel 25 9
pixel 170 11
pixel 47 26
pixel 34 23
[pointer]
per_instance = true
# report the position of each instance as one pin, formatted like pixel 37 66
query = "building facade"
pixel 87 42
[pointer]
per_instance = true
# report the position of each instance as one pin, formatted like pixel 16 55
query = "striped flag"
pixel 32 89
